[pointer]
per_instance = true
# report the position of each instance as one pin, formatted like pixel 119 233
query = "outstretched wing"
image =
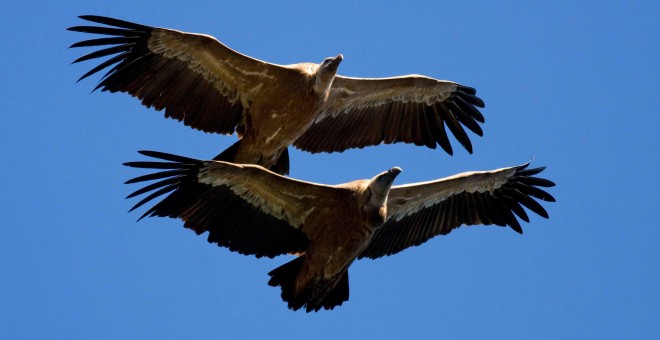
pixel 245 208
pixel 410 109
pixel 420 211
pixel 194 77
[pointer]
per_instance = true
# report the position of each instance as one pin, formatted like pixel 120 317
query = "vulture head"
pixel 375 206
pixel 325 74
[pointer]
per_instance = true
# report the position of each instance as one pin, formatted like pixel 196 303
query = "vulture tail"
pixel 324 293
pixel 281 166
pixel 229 154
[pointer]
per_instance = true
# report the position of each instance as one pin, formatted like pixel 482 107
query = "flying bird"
pixel 254 211
pixel 212 88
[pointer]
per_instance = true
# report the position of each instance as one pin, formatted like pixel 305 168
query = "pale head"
pixel 325 74
pixel 378 189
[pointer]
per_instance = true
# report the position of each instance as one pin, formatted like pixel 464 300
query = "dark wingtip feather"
pixel 154 186
pixel 518 210
pixel 148 213
pixel 472 99
pixel 155 175
pixel 533 191
pixel 467 89
pixel 470 109
pixel 445 145
pixel 103 65
pixel 515 225
pixel 549 198
pixel 122 32
pixel 113 22
pixel 153 195
pixel 154 165
pixel 465 118
pixel 453 124
pixel 168 156
pixel 536 181
pixel 100 42
pixel 466 143
pixel 102 53
pixel 143 216
pixel 531 172
pixel 532 205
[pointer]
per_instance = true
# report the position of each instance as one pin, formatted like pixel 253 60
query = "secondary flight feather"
pixel 254 211
pixel 210 87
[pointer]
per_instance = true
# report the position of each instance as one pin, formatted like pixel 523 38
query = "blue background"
pixel 571 84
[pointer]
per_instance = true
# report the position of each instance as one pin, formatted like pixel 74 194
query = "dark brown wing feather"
pixel 387 116
pixel 230 221
pixel 463 208
pixel 158 81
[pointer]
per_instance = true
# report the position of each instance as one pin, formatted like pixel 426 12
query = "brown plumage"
pixel 198 80
pixel 253 211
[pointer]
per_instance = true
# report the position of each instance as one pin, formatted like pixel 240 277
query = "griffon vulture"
pixel 212 88
pixel 254 211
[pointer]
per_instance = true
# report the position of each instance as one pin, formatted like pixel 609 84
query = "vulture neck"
pixel 378 188
pixel 325 74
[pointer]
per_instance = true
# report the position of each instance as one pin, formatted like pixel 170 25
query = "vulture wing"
pixel 410 109
pixel 420 211
pixel 194 77
pixel 245 208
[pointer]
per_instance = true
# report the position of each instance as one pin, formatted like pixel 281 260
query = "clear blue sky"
pixel 572 84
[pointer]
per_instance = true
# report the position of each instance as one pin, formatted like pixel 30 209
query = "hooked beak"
pixel 385 179
pixel 395 171
pixel 381 184
pixel 336 61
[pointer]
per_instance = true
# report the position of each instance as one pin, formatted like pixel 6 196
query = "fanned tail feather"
pixel 280 167
pixel 326 294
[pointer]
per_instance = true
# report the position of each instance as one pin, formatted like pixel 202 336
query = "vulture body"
pixel 210 87
pixel 254 211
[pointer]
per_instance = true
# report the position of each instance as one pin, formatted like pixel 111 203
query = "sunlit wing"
pixel 245 208
pixel 411 109
pixel 194 77
pixel 420 211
